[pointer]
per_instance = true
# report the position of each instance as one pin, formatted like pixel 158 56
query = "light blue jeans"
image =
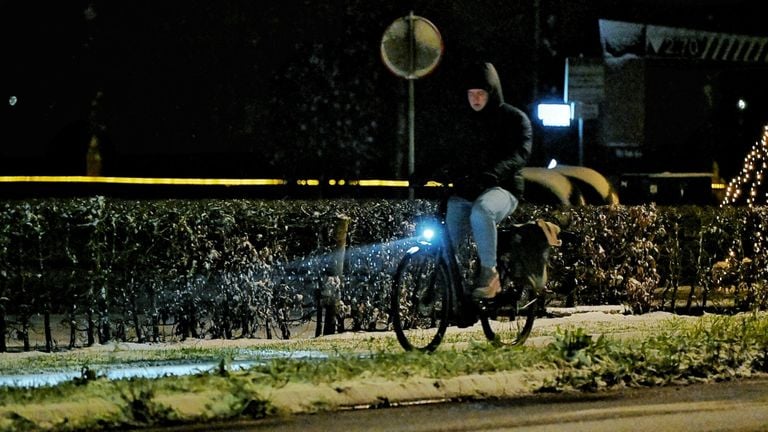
pixel 482 217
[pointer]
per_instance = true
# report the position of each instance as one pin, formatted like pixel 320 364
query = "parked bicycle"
pixel 430 293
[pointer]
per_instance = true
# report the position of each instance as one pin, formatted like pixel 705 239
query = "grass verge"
pixel 676 351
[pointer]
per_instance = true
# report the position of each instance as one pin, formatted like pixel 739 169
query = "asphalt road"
pixel 729 406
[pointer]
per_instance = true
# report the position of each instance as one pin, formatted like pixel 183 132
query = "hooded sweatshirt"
pixel 496 141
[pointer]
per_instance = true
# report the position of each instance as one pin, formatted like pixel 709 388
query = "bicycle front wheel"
pixel 508 319
pixel 421 299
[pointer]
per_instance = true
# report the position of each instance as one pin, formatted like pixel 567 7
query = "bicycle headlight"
pixel 426 231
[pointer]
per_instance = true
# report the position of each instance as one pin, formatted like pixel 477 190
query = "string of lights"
pixel 746 188
pixel 209 182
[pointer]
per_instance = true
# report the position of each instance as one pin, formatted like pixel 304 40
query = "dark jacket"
pixel 495 141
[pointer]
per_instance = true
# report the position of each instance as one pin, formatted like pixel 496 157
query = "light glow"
pixel 751 177
pixel 141 180
pixel 552 164
pixel 555 114
pixel 389 183
pixel 210 181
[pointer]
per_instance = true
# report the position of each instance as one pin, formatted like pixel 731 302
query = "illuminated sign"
pixel 555 114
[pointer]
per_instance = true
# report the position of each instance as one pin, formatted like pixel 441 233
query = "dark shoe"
pixel 466 319
pixel 467 315
pixel 487 284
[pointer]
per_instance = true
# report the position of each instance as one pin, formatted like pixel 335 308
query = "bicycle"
pixel 429 286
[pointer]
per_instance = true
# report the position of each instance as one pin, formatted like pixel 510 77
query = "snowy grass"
pixel 581 357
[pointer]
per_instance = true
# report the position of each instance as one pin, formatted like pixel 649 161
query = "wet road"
pixel 731 406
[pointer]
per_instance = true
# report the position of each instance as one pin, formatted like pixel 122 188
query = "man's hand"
pixel 488 180
pixel 420 178
pixel 470 187
pixel 417 178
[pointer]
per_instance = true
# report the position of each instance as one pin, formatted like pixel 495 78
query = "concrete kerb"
pixel 380 392
pixel 295 398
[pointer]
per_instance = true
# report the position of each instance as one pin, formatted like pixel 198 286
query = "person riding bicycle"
pixel 486 170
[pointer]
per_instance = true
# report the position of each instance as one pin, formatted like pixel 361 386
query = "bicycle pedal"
pixel 464 323
pixel 486 304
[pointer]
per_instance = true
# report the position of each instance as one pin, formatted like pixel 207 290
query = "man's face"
pixel 478 98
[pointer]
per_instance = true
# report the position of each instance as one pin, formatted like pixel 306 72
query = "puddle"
pixel 154 370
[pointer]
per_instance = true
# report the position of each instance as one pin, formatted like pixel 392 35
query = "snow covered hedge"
pixel 230 268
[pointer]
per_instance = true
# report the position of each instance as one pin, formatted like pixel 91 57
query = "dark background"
pixel 290 88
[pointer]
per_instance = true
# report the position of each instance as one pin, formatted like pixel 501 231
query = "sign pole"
pixel 581 140
pixel 411 133
pixel 411 103
pixel 411 48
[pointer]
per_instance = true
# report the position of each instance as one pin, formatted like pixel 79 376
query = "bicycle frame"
pixel 441 240
pixel 422 311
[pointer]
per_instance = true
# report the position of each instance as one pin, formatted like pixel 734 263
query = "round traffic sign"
pixel 411 47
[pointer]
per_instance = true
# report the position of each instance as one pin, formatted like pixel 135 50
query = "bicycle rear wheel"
pixel 508 318
pixel 421 300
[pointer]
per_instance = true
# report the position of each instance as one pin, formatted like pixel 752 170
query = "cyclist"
pixel 486 170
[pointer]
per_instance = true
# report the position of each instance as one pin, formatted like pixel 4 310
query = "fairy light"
pixel 751 177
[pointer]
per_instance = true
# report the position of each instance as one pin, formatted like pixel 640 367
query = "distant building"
pixel 679 100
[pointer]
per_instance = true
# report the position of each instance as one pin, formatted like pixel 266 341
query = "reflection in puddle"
pixel 154 370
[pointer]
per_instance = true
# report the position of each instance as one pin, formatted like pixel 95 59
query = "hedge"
pixel 129 269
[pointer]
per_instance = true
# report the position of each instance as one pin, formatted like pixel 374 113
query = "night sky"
pixel 250 88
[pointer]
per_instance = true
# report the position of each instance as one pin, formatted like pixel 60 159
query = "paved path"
pixel 732 406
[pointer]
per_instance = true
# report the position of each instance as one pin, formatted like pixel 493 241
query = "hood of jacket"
pixel 484 76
